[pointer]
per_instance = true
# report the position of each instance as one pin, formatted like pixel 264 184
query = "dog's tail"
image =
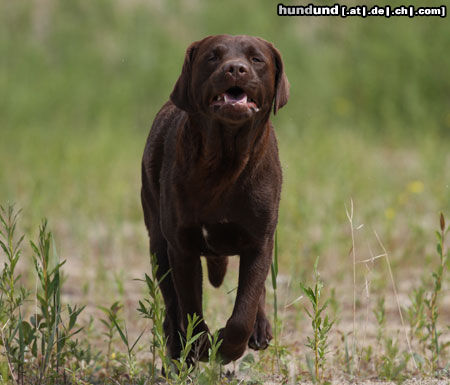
pixel 217 267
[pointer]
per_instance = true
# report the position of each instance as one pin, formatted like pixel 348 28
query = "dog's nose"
pixel 235 68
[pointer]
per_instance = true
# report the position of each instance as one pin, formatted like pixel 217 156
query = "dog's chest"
pixel 223 238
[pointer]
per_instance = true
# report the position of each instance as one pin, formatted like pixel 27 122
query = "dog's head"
pixel 231 78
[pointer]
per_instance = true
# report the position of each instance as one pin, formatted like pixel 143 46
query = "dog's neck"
pixel 221 151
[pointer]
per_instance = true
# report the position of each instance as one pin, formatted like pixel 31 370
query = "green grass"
pixel 367 121
pixel 45 343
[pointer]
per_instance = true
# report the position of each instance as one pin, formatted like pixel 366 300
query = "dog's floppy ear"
pixel 181 94
pixel 281 82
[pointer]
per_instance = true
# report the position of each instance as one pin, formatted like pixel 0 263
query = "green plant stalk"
pixel 124 337
pixel 213 367
pixel 184 368
pixel 54 334
pixel 274 275
pixel 347 357
pixel 110 313
pixel 321 326
pixel 316 351
pixel 153 309
pixel 435 347
pixel 10 307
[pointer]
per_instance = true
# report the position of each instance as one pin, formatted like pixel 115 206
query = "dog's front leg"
pixel 253 268
pixel 187 278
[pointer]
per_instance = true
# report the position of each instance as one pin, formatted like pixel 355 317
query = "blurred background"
pixel 368 119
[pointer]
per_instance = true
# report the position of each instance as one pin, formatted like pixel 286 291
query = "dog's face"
pixel 231 78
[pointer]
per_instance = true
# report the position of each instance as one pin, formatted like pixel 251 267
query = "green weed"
pixel 12 296
pixel 434 345
pixel 39 348
pixel 393 366
pixel 111 316
pixel 129 361
pixel 280 352
pixel 321 326
pixel 380 315
pixel 153 309
pixel 211 373
pixel 360 130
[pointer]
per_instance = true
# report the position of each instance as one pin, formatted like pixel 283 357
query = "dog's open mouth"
pixel 236 97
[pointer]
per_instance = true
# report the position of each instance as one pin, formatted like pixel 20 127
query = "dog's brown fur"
pixel 211 183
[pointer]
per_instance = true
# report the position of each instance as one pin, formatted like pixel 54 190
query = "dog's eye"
pixel 213 58
pixel 256 59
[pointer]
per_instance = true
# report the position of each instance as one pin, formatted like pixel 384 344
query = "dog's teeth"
pixel 233 100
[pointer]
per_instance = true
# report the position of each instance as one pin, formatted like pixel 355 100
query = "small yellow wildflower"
pixel 389 213
pixel 113 356
pixel 415 187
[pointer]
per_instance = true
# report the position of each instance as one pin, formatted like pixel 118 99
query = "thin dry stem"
pixel 283 316
pixel 394 288
pixel 367 291
pixel 350 219
pixel 372 259
pixel 292 302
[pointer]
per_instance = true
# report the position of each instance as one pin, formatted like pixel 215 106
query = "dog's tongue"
pixel 240 98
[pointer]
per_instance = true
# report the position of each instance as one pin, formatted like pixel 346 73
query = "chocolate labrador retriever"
pixel 211 182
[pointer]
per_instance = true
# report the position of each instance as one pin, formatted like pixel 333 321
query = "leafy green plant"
pixel 321 326
pixel 184 365
pixel 276 320
pixel 212 370
pixel 392 365
pixel 389 365
pixel 153 309
pixel 416 317
pixel 380 315
pixel 280 352
pixel 48 332
pixel 423 312
pixel 12 295
pixel 175 371
pixel 39 347
pixel 348 358
pixel 416 313
pixel 111 314
pixel 433 343
pixel 130 361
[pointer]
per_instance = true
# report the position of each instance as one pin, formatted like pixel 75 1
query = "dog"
pixel 211 184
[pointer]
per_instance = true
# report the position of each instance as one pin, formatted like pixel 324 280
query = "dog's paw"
pixel 229 351
pixel 262 334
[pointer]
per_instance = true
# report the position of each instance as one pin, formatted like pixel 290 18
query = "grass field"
pixel 367 126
